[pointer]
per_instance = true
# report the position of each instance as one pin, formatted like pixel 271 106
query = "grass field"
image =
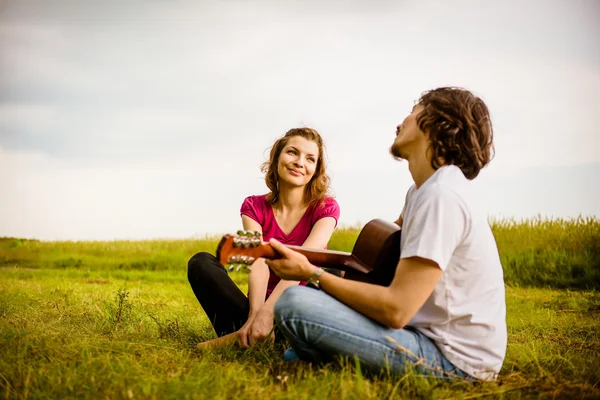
pixel 118 320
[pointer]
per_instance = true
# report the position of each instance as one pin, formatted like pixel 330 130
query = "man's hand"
pixel 292 266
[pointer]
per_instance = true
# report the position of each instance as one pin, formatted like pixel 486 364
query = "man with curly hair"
pixel 444 313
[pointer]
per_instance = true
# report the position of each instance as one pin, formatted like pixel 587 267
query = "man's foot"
pixel 290 355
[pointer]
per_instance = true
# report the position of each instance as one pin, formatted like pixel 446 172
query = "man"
pixel 444 313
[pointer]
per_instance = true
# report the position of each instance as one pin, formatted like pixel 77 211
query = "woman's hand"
pixel 244 332
pixel 262 328
pixel 257 329
pixel 292 266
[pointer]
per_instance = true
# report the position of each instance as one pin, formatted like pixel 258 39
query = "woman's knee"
pixel 198 264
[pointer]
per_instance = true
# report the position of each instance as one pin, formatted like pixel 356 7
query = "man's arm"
pixel 393 306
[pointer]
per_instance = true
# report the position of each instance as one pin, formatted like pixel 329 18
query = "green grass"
pixel 118 320
pixel 559 253
pixel 535 253
pixel 146 255
pixel 73 334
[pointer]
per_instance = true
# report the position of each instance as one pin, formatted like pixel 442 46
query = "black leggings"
pixel 226 306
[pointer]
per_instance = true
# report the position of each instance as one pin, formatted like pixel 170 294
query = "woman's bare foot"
pixel 222 341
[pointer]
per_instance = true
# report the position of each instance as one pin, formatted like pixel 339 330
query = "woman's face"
pixel 297 161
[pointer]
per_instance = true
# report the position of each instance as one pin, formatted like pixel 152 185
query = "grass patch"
pixel 73 334
pixel 561 253
pixel 119 320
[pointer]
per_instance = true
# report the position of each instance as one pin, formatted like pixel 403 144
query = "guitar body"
pixel 378 248
pixel 374 258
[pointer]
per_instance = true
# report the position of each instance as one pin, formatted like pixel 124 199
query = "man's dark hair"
pixel 460 129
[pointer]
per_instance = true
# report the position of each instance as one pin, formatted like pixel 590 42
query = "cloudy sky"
pixel 150 119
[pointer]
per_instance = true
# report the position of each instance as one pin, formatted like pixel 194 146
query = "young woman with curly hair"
pixel 296 211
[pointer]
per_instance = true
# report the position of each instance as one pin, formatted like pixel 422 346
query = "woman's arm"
pixel 258 278
pixel 399 221
pixel 320 233
pixel 317 239
pixel 263 321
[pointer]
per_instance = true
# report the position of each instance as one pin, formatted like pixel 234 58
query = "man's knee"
pixel 295 301
pixel 198 264
pixel 285 302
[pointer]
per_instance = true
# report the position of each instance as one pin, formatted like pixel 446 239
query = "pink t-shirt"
pixel 260 210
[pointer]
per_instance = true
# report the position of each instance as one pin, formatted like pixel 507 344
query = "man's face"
pixel 408 135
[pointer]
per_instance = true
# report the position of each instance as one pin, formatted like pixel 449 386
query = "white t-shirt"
pixel 466 313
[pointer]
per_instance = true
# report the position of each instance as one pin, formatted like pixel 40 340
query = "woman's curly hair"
pixel 459 127
pixel 318 187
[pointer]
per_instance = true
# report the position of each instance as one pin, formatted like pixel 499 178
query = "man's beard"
pixel 396 152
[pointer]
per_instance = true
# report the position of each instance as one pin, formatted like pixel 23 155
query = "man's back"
pixel 444 314
pixel 466 313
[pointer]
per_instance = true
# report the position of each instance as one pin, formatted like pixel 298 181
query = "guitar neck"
pixel 322 258
pixel 373 259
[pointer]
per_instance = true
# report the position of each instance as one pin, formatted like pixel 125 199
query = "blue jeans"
pixel 320 328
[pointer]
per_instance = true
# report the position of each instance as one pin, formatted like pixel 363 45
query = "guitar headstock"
pixel 240 250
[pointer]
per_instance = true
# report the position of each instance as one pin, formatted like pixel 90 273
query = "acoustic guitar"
pixel 373 259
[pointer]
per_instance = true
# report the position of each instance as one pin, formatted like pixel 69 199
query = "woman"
pixel 296 211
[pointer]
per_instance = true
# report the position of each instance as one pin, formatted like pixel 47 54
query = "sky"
pixel 150 119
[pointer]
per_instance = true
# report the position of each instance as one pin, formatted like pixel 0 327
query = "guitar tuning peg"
pixel 230 268
pixel 237 267
pixel 257 234
pixel 240 233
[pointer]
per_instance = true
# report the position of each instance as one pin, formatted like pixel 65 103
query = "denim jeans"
pixel 321 328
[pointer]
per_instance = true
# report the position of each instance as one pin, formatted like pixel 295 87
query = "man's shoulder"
pixel 448 182
pixel 441 197
pixel 440 190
